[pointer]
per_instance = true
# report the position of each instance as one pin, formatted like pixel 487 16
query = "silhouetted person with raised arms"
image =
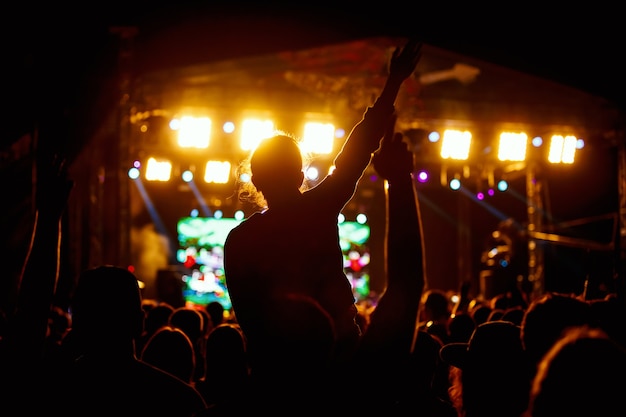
pixel 291 245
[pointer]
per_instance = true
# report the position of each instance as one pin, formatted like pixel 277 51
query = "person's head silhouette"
pixel 276 166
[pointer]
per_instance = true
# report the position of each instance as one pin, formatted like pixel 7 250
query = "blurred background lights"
pixel 187 176
pixel 456 144
pixel 318 138
pixel 537 141
pixel 133 173
pixel 422 176
pixel 194 132
pixel 312 173
pixel 158 170
pixel 228 127
pixel 361 218
pixel 455 184
pixel 512 146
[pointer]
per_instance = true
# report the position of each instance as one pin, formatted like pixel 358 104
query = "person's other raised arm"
pixel 38 279
pixel 394 320
pixel 388 339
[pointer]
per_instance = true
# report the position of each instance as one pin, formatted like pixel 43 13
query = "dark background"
pixel 59 58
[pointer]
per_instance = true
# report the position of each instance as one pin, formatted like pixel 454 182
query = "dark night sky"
pixel 57 53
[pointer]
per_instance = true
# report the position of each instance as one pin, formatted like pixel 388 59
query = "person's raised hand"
pixel 404 59
pixel 393 160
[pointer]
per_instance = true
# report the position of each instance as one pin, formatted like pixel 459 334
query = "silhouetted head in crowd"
pixel 276 167
pixel 157 316
pixel 547 317
pixel 106 308
pixel 514 315
pixel 460 328
pixel 170 349
pixel 106 375
pixel 480 313
pixel 494 377
pixel 435 313
pixel 582 374
pixel 191 321
pixel 216 312
pixel 227 372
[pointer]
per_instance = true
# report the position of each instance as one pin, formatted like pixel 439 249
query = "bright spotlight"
pixel 133 173
pixel 422 176
pixel 187 176
pixel 312 173
pixel 228 127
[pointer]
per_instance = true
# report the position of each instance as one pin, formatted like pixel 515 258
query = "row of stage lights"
pixel 318 140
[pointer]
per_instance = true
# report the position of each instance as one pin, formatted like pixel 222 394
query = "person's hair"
pixel 271 165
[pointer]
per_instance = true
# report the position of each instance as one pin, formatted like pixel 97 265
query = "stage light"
pixel 512 146
pixel 562 149
pixel 318 138
pixel 456 144
pixel 158 170
pixel 217 172
pixel 253 131
pixel 422 176
pixel 194 132
pixel 312 173
pixel 133 173
pixel 187 176
pixel 228 127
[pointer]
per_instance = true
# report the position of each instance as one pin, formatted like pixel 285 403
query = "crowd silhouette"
pixel 298 344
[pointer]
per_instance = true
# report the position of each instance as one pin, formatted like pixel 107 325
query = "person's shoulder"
pixel 240 232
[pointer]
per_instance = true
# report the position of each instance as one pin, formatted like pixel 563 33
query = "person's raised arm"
pixel 401 65
pixel 394 320
pixel 365 137
pixel 388 339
